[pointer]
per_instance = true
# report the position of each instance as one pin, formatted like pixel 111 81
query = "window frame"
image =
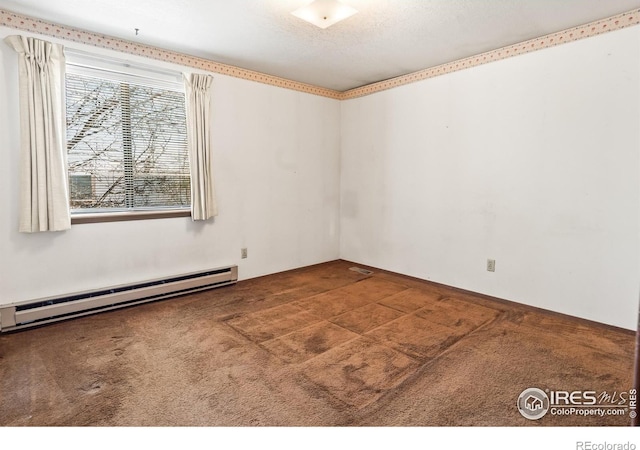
pixel 79 62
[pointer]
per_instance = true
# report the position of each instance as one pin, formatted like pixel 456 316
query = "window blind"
pixel 126 139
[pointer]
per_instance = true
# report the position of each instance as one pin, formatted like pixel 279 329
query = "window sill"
pixel 120 216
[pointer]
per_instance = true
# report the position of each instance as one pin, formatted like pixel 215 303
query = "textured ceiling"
pixel 387 38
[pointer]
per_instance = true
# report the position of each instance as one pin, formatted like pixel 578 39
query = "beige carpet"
pixel 319 346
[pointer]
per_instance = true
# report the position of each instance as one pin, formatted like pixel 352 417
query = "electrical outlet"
pixel 491 265
pixel 243 253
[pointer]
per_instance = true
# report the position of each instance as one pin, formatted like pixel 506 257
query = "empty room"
pixel 319 214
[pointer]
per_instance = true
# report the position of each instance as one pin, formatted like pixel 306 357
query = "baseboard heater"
pixel 37 312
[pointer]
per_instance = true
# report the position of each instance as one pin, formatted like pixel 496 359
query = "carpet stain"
pixel 308 342
pixel 91 388
pixel 316 344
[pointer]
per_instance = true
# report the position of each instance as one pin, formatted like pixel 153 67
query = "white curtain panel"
pixel 198 98
pixel 44 180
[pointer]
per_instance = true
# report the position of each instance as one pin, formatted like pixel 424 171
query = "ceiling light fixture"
pixel 324 13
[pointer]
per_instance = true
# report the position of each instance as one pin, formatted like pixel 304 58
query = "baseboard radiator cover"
pixel 31 313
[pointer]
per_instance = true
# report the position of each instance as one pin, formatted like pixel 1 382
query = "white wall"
pixel 277 180
pixel 532 161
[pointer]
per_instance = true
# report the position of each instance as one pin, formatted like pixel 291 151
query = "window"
pixel 81 188
pixel 126 138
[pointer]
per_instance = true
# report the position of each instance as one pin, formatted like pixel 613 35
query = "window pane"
pixel 126 145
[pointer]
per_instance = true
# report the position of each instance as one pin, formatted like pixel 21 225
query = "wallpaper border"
pixel 612 23
pixel 22 22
